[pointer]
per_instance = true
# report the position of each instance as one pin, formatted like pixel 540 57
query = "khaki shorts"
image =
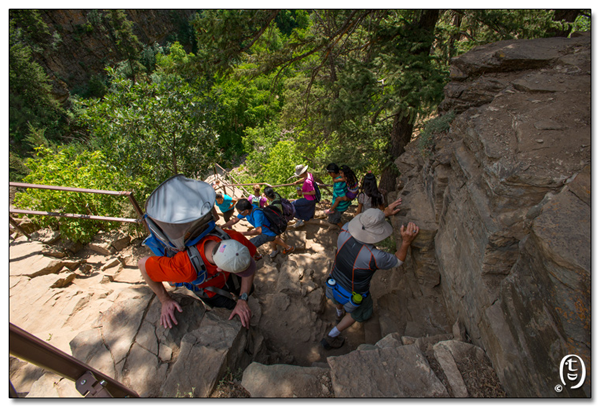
pixel 363 312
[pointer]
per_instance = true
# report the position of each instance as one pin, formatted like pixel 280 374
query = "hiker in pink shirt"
pixel 305 206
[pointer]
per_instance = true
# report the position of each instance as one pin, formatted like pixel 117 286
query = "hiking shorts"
pixel 335 217
pixel 363 312
pixel 227 215
pixel 261 239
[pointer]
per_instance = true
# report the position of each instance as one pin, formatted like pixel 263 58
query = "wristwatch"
pixel 243 297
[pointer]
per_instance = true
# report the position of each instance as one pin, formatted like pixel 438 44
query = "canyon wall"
pixel 84 43
pixel 503 202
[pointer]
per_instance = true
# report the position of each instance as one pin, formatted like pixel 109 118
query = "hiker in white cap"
pixel 305 206
pixel 230 270
pixel 356 261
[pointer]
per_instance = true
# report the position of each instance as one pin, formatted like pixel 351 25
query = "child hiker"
pixel 339 190
pixel 370 196
pixel 348 177
pixel 257 200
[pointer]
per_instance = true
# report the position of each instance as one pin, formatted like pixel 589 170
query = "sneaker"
pixel 288 251
pixel 257 256
pixel 274 253
pixel 332 343
pixel 298 224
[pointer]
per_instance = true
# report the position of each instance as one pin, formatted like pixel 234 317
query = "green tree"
pixel 151 131
pixel 129 48
pixel 31 103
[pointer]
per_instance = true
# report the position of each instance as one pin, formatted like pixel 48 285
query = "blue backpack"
pixel 179 215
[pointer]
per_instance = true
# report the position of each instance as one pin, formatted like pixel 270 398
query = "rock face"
pixel 504 201
pixel 83 42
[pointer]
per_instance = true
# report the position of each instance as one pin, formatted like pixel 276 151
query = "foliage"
pixel 272 157
pixel 241 103
pixel 432 127
pixel 224 36
pixel 152 131
pixel 127 45
pixel 30 94
pixel 72 166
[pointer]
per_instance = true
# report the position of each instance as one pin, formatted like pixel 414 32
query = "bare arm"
pixel 408 235
pixel 254 232
pixel 231 222
pixel 242 309
pixel 169 305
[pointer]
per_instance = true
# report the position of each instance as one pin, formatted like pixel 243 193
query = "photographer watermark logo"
pixel 572 370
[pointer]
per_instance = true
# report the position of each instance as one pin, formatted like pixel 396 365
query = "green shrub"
pixel 71 166
pixel 434 126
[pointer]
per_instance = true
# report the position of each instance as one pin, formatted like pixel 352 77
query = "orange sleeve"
pixel 176 269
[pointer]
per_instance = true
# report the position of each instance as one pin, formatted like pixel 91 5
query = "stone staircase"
pixel 396 366
pixel 96 307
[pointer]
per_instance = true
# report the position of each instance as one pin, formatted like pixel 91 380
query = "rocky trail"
pixel 94 305
pixel 499 274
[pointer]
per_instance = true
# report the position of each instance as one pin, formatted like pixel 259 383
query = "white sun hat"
pixel 370 226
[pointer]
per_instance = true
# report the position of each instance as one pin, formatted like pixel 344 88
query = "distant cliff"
pixel 83 44
pixel 503 202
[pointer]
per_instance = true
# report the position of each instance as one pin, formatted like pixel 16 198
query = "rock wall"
pixel 84 45
pixel 503 199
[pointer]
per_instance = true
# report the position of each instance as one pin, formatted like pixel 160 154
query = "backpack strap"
pixel 196 259
pixel 197 263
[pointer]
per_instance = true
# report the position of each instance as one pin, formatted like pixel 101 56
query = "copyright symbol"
pixel 558 388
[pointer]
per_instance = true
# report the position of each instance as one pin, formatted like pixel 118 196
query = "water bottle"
pixel 356 298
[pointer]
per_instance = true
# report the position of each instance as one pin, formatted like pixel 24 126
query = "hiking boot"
pixel 298 224
pixel 274 253
pixel 338 318
pixel 332 343
pixel 288 251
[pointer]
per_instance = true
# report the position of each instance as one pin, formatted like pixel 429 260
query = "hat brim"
pixel 302 172
pixel 372 235
pixel 250 270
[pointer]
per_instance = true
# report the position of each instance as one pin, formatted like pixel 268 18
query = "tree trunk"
pixel 401 133
pixel 403 124
pixel 565 15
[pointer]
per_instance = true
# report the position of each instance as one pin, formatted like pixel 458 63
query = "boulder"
pixel 54 386
pixel 286 381
pixel 204 356
pixel 390 372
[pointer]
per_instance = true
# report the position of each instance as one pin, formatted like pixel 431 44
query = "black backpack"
pixel 275 218
pixel 287 208
pixel 317 192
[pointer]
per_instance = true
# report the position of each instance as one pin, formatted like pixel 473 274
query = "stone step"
pixel 287 381
pixel 395 371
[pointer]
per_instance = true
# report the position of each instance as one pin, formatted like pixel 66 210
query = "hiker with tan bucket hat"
pixel 305 206
pixel 355 263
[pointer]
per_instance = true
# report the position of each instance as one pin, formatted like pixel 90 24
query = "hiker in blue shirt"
pixel 226 204
pixel 262 234
pixel 339 190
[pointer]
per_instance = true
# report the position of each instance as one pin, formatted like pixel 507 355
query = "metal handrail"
pixel 129 194
pixel 88 381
